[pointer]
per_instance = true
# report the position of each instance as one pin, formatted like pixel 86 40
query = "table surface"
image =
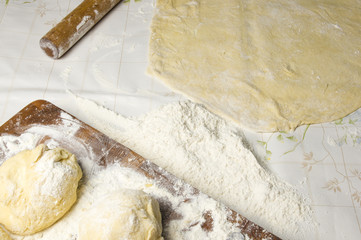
pixel 108 66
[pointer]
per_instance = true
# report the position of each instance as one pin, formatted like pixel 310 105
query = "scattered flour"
pixel 191 143
pixel 103 41
pixel 208 153
pixel 98 182
pixel 12 145
pixel 113 178
pixel 84 21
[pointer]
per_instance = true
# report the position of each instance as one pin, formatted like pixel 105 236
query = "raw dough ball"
pixel 267 64
pixel 125 214
pixel 37 187
pixel 4 235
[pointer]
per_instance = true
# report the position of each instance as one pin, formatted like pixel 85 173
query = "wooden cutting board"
pixel 44 113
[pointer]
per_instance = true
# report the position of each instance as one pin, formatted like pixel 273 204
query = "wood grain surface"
pixel 74 26
pixel 41 112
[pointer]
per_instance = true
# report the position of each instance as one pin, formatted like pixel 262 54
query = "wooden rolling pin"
pixel 73 27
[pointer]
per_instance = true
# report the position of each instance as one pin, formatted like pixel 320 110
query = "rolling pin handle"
pixel 74 26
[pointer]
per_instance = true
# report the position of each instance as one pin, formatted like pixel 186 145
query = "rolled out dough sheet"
pixel 267 64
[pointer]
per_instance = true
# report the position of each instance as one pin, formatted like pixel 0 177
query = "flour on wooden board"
pixel 204 150
pixel 98 182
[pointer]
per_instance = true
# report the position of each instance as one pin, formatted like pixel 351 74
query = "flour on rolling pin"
pixel 74 26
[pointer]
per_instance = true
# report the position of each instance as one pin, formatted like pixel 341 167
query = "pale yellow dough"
pixel 4 235
pixel 267 64
pixel 37 187
pixel 124 214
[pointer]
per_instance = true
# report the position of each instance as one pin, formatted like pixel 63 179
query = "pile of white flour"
pixel 98 182
pixel 204 150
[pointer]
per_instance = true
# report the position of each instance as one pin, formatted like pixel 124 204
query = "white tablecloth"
pixel 108 65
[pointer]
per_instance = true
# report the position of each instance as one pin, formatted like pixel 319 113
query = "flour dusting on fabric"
pixel 207 152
